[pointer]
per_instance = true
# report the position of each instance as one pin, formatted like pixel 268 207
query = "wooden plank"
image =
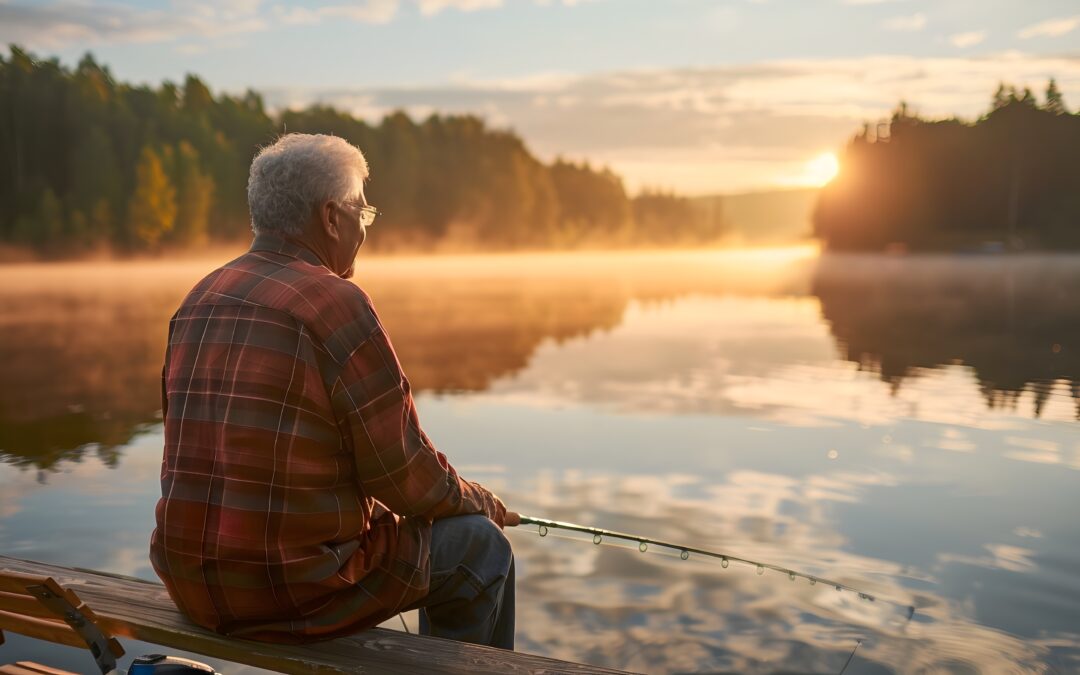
pixel 38 669
pixel 12 581
pixel 15 583
pixel 41 629
pixel 29 606
pixel 142 610
pixel 26 605
pixel 16 669
pixel 70 596
pixel 49 586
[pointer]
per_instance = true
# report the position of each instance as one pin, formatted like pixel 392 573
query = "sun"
pixel 822 169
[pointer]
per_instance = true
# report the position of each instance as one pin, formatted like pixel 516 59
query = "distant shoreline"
pixel 14 257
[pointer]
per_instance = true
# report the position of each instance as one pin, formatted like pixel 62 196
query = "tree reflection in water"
pixel 83 343
pixel 1013 319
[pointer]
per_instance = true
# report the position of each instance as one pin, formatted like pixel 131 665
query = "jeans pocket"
pixel 458 582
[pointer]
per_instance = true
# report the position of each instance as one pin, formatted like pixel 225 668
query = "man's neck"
pixel 296 247
pixel 314 250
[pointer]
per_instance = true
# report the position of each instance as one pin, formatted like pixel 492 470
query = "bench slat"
pixel 31 668
pixel 26 605
pixel 15 582
pixel 41 629
pixel 142 610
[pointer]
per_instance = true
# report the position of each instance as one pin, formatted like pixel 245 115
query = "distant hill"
pixel 769 217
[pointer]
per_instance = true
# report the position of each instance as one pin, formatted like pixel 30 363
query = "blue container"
pixel 159 664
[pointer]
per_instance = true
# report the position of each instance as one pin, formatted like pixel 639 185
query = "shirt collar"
pixel 265 241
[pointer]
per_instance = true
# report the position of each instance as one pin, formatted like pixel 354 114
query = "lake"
pixel 905 425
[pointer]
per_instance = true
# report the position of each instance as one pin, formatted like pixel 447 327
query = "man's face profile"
pixel 353 231
pixel 345 232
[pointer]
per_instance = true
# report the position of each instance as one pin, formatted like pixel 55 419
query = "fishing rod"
pixel 543 525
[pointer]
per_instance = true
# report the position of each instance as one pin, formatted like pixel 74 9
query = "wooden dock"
pixel 125 607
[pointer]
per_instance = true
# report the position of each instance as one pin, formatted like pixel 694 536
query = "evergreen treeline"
pixel 87 162
pixel 1011 179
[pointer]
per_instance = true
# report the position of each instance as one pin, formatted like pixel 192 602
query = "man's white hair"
pixel 290 178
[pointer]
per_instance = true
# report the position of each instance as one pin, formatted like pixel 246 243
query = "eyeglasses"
pixel 367 213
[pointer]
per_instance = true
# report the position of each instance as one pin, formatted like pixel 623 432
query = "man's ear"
pixel 329 218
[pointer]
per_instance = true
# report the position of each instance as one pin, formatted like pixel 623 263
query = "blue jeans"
pixel 471 597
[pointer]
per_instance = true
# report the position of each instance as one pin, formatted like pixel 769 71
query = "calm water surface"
pixel 904 425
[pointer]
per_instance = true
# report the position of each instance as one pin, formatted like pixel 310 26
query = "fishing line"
pixel 850 656
pixel 544 526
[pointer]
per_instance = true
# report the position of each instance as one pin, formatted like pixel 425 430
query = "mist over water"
pixel 905 425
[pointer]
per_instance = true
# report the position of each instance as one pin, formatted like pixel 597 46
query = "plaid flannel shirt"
pixel 298 488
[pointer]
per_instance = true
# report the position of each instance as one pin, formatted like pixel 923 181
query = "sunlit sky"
pixel 703 96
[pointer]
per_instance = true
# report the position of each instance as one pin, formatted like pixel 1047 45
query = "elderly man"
pixel 300 498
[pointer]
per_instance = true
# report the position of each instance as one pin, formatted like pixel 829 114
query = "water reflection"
pixel 82 344
pixel 659 614
pixel 1015 320
pixel 655 613
pixel 81 347
pixel 696 398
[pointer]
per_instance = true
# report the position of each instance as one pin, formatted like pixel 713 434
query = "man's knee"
pixel 474 536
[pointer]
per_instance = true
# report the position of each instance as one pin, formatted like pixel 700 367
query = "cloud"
pixel 372 11
pixel 63 22
pixel 914 22
pixel 1050 28
pixel 1001 557
pixel 969 39
pixel 1040 451
pixel 703 129
pixel 432 7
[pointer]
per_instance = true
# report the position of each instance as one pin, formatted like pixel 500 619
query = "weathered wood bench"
pixel 28 668
pixel 133 608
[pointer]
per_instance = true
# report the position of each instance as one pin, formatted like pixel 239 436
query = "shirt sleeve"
pixel 396 463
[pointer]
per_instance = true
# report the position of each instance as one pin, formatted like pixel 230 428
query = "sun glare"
pixel 822 169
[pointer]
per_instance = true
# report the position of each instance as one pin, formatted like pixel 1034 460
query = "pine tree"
pixel 152 208
pixel 1002 97
pixel 45 227
pixel 101 222
pixel 94 173
pixel 196 97
pixel 195 195
pixel 1055 103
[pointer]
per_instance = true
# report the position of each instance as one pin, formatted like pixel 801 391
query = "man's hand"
pixel 512 519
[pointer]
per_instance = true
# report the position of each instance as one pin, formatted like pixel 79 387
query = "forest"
pixel 90 165
pixel 1007 181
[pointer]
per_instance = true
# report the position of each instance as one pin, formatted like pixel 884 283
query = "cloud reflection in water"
pixel 654 613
